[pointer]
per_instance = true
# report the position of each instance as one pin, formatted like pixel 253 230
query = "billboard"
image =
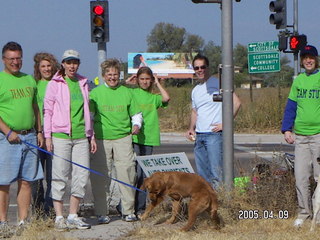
pixel 162 64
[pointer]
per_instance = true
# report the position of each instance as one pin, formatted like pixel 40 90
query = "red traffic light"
pixel 99 18
pixel 294 43
pixel 297 42
pixel 99 10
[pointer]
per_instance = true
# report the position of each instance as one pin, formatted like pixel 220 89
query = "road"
pixel 246 155
pixel 249 150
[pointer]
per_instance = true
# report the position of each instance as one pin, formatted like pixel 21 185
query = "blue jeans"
pixel 140 198
pixel 41 198
pixel 208 157
pixel 18 161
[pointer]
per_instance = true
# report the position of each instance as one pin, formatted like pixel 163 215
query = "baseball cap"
pixel 70 54
pixel 309 50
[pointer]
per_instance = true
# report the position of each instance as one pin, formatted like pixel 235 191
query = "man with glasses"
pixel 206 122
pixel 19 122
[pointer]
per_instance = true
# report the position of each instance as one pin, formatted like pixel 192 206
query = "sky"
pixel 57 25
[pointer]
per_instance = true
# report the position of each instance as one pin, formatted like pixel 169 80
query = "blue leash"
pixel 79 165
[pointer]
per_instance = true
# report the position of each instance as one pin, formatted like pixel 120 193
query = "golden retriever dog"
pixel 179 185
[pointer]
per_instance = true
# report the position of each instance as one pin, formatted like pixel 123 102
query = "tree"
pixel 213 53
pixel 193 43
pixel 240 53
pixel 166 37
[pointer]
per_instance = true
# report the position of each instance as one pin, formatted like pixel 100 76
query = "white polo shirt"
pixel 208 111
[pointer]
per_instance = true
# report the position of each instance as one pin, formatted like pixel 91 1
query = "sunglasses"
pixel 201 67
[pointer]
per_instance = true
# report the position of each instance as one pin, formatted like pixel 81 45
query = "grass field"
pixel 261 115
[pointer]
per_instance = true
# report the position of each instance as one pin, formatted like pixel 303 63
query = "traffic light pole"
pixel 227 88
pixel 102 55
pixel 227 92
pixel 295 31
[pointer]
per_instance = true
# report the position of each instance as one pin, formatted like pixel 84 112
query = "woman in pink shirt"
pixel 68 131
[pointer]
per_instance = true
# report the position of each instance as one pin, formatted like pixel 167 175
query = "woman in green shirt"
pixel 45 66
pixel 149 134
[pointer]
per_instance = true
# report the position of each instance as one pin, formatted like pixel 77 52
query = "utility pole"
pixel 295 32
pixel 227 92
pixel 227 88
pixel 102 56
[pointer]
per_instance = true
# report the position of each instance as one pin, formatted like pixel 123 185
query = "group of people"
pixel 101 129
pixel 55 111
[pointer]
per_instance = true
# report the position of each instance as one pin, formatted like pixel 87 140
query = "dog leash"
pixel 79 165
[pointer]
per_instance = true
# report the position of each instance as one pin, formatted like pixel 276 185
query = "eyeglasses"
pixel 201 67
pixel 18 59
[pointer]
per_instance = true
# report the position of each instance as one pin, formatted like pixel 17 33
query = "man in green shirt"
pixel 19 121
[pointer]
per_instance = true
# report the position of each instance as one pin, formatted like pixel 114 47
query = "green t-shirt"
pixel 41 91
pixel 76 112
pixel 305 91
pixel 112 109
pixel 17 94
pixel 148 103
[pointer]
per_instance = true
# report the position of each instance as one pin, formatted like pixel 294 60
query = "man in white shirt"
pixel 206 123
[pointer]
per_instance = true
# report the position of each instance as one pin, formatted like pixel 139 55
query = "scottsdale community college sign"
pixel 263 57
pixel 177 162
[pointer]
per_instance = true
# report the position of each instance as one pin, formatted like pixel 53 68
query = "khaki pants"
pixel 119 153
pixel 307 150
pixel 76 150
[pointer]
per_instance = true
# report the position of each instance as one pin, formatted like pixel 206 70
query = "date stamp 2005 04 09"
pixel 265 214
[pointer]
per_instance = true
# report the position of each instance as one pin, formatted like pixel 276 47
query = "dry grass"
pixel 40 229
pixel 274 193
pixel 262 115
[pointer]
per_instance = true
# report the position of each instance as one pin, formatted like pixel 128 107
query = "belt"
pixel 24 132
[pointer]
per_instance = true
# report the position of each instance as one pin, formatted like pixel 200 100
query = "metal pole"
pixel 227 91
pixel 295 31
pixel 102 55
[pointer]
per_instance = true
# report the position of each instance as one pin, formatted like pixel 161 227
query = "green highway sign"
pixel 264 62
pixel 263 57
pixel 268 46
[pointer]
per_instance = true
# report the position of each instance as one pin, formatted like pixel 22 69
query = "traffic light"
pixel 279 17
pixel 298 42
pixel 283 42
pixel 99 21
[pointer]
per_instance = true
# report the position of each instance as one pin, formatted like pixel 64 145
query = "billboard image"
pixel 162 64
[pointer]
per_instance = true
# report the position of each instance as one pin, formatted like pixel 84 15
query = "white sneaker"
pixel 60 225
pixel 130 218
pixel 77 222
pixel 298 222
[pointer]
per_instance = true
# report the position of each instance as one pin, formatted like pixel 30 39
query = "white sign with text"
pixel 177 162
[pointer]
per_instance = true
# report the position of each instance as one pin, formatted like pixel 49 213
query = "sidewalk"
pixel 239 138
